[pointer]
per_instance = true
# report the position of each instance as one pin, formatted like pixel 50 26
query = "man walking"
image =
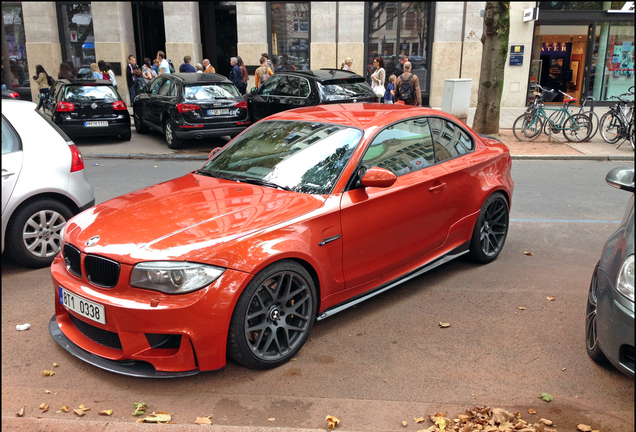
pixel 207 67
pixel 186 67
pixel 407 87
pixel 164 66
pixel 130 76
pixel 235 73
pixel 399 68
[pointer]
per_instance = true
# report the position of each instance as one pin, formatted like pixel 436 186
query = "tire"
pixel 33 233
pixel 139 124
pixel 577 128
pixel 173 141
pixel 527 127
pixel 630 133
pixel 595 122
pixel 279 306
pixel 491 229
pixel 126 136
pixel 610 127
pixel 591 336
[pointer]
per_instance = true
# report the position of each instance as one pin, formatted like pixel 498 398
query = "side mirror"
pixel 621 178
pixel 378 177
pixel 213 152
pixel 254 91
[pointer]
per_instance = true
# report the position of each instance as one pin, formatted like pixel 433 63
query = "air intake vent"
pixel 102 337
pixel 73 259
pixel 101 271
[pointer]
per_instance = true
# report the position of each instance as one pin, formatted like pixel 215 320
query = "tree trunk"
pixel 493 61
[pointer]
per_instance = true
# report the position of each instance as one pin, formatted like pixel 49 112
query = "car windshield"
pixel 210 91
pixel 89 93
pixel 298 156
pixel 345 90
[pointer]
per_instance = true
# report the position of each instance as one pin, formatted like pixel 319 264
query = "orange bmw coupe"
pixel 304 214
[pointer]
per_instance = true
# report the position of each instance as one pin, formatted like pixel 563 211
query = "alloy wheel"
pixel 494 227
pixel 41 233
pixel 591 336
pixel 169 133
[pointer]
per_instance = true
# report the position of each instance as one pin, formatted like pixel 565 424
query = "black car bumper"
pixel 208 132
pixel 78 128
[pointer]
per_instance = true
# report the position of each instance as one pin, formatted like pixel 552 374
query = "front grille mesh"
pixel 101 271
pixel 102 337
pixel 72 257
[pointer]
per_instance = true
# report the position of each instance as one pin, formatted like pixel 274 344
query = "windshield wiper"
pixel 261 182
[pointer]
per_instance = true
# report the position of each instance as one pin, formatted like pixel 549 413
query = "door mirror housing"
pixel 254 90
pixel 621 178
pixel 378 177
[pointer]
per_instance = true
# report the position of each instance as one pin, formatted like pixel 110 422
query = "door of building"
pixel 218 34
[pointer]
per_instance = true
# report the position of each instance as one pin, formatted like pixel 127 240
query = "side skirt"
pixel 457 252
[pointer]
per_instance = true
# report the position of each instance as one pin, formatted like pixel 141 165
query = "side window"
pixel 449 139
pixel 288 86
pixel 167 88
pixel 10 140
pixel 155 86
pixel 402 148
pixel 270 85
pixel 304 88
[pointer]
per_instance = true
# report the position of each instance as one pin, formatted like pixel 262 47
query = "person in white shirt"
pixel 164 66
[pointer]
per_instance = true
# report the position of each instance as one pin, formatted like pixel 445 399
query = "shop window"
pixel 290 30
pixel 15 67
pixel 77 38
pixel 612 61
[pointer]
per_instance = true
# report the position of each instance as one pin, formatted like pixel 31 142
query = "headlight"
pixel 173 277
pixel 625 280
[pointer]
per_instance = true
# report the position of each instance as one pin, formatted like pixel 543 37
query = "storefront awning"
pixel 88 45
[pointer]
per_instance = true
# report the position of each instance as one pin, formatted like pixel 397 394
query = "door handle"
pixel 437 187
pixel 6 173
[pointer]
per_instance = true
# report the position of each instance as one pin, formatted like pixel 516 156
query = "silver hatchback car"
pixel 43 184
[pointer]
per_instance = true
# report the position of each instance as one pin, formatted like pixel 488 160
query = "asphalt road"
pixel 386 360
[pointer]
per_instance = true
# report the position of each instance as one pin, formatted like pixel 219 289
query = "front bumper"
pixel 200 321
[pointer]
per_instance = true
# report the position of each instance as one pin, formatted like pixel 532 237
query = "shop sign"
pixel 628 7
pixel 530 14
pixel 554 47
pixel 516 55
pixel 73 34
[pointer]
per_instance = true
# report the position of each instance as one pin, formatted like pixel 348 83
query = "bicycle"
pixel 558 117
pixel 618 123
pixel 528 126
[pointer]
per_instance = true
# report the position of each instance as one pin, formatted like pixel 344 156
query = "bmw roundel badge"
pixel 92 241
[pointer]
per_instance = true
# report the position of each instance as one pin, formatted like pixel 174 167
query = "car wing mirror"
pixel 378 177
pixel 254 90
pixel 621 178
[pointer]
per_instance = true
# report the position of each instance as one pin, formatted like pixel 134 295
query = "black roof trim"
pixel 195 78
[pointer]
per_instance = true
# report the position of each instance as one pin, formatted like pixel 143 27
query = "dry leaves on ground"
pixel 444 325
pixel 203 420
pixel 64 408
pixel 419 419
pixel 106 412
pixel 583 428
pixel 522 308
pixel 44 407
pixel 546 397
pixel 529 253
pixel 532 411
pixel 158 417
pixel 47 391
pixel 332 421
pixel 485 419
pixel 550 298
pixel 20 413
pixel 140 408
pixel 404 423
pixel 48 373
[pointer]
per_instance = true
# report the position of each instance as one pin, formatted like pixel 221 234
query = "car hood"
pixel 178 219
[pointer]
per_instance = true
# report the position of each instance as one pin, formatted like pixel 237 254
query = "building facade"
pixel 570 49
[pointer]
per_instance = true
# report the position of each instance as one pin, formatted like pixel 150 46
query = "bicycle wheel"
pixel 610 127
pixel 594 119
pixel 630 133
pixel 577 128
pixel 527 127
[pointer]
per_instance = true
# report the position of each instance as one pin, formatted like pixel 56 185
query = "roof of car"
pixel 85 81
pixel 323 74
pixel 198 78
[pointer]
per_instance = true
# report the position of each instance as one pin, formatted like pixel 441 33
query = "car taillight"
pixel 77 163
pixel 241 105
pixel 14 95
pixel 119 106
pixel 65 107
pixel 184 108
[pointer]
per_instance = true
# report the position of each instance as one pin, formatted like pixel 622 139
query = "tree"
pixel 493 61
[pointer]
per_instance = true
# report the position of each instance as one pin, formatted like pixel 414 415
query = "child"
pixel 390 90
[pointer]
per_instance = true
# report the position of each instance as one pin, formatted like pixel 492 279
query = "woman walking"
pixel 377 78
pixel 111 75
pixel 346 64
pixel 244 75
pixel 42 80
pixel 96 73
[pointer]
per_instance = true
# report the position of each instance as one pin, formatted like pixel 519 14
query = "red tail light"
pixel 77 163
pixel 65 107
pixel 241 105
pixel 14 95
pixel 184 108
pixel 119 106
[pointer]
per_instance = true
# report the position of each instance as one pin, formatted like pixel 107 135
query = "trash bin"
pixel 456 98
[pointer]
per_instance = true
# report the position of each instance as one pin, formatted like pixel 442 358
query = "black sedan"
pixel 191 105
pixel 88 107
pixel 295 89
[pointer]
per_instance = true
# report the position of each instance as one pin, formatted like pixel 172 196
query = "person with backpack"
pixel 262 73
pixel 43 82
pixel 407 87
pixel 164 66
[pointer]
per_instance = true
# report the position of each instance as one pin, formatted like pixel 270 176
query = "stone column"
pixel 251 29
pixel 351 35
pixel 114 38
pixel 183 32
pixel 323 35
pixel 42 40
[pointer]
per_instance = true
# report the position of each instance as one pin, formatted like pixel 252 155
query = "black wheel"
pixel 527 127
pixel 630 133
pixel 139 124
pixel 595 122
pixel 33 233
pixel 174 142
pixel 491 229
pixel 610 127
pixel 577 128
pixel 126 136
pixel 591 336
pixel 273 316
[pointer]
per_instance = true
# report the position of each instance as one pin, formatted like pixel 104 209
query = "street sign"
pixel 516 55
pixel 73 35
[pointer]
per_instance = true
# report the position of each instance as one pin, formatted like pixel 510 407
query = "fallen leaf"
pixel 583 428
pixel 529 253
pixel 48 373
pixel 55 365
pixel 546 422
pixel 47 391
pixel 332 421
pixel 532 411
pixel 21 412
pixel 550 298
pixel 79 412
pixel 444 325
pixel 140 408
pixel 203 421
pixel 65 408
pixel 106 412
pixel 521 308
pixel 419 419
pixel 140 421
pixel 404 423
pixel 158 417
pixel 563 369
pixel 271 419
pixel 546 397
pixel 463 417
pixel 83 408
pixel 44 407
pixel 466 428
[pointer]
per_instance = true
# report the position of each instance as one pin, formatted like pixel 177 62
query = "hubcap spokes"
pixel 590 318
pixel 41 233
pixel 278 316
pixel 494 227
pixel 169 133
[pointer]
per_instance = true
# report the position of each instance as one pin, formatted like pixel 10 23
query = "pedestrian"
pixel 42 80
pixel 130 75
pixel 72 70
pixel 269 63
pixel 262 73
pixel 147 71
pixel 407 87
pixel 139 84
pixel 96 73
pixel 155 66
pixel 377 78
pixel 346 64
pixel 199 67
pixel 244 75
pixel 63 73
pixel 111 75
pixel 235 73
pixel 207 67
pixel 390 90
pixel 186 67
pixel 399 68
pixel 104 71
pixel 164 66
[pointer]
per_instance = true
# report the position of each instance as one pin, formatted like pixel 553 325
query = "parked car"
pixel 303 215
pixel 43 184
pixel 10 94
pixel 187 105
pixel 294 89
pixel 88 107
pixel 609 320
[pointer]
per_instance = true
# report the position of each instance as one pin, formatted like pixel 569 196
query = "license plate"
pixel 95 123
pixel 86 308
pixel 219 112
